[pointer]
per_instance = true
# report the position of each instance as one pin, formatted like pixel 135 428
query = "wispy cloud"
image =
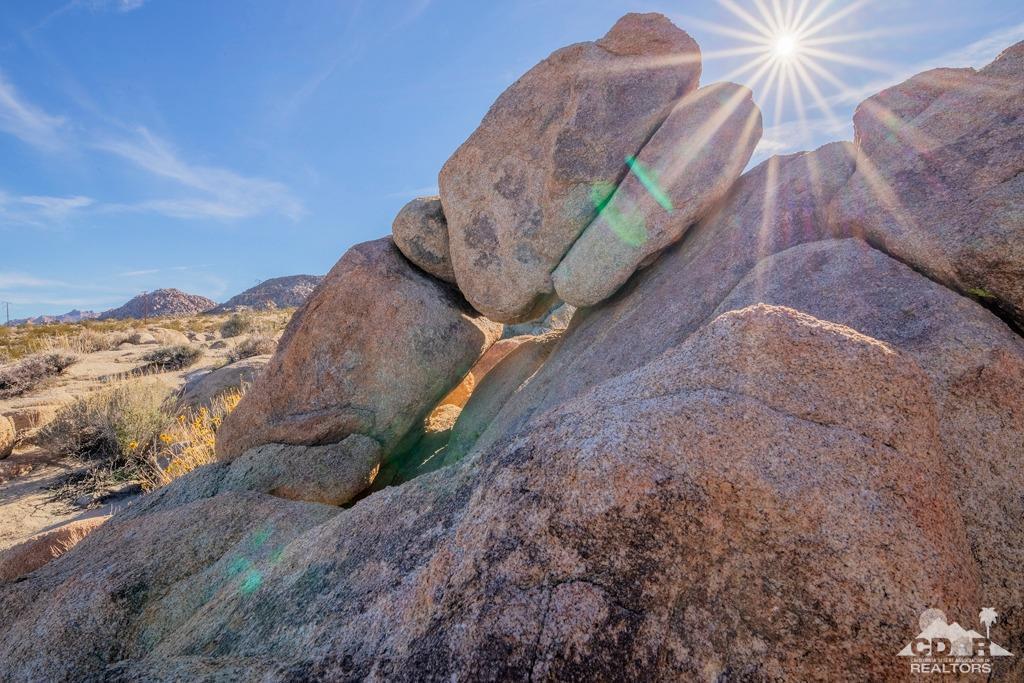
pixel 154 271
pixel 28 123
pixel 228 195
pixel 975 54
pixel 796 135
pixel 40 211
pixel 223 194
pixel 9 280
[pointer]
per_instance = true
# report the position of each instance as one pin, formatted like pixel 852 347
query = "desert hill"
pixel 280 292
pixel 72 316
pixel 160 303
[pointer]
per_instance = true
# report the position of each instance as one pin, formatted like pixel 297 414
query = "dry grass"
pixel 119 425
pixel 238 324
pixel 22 376
pixel 127 433
pixel 190 442
pixel 97 335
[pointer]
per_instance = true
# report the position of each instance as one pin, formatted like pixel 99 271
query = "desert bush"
pixel 190 441
pixel 170 358
pixel 253 345
pixel 119 425
pixel 23 375
pixel 238 324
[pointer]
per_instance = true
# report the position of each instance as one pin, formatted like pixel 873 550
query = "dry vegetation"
pixel 124 427
pixel 176 357
pixel 130 432
pixel 25 374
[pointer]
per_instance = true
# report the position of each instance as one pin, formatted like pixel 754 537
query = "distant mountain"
pixel 69 317
pixel 160 303
pixel 279 292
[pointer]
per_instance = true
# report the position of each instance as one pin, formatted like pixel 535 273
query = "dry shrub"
pixel 253 345
pixel 170 358
pixel 119 426
pixel 22 376
pixel 190 442
pixel 238 324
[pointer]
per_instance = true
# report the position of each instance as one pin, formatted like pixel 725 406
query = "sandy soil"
pixel 27 506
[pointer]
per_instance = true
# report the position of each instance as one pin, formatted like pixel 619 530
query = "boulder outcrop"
pixel 336 369
pixel 205 386
pixel 940 176
pixel 603 542
pixel 421 233
pixel 686 167
pixel 550 151
pixel 31 554
pixel 786 429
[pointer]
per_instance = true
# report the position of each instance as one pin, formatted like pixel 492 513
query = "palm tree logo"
pixel 987 616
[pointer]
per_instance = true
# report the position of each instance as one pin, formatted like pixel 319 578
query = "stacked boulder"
pixel 786 420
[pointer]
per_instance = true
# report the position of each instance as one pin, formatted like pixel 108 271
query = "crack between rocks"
pixel 994 306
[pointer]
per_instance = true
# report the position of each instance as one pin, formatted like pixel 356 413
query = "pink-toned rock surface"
pixel 686 167
pixel 421 233
pixel 373 349
pixel 8 437
pixel 606 541
pixel 520 190
pixel 939 179
pixel 28 556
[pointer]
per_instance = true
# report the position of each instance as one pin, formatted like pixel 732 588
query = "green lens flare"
pixel 649 180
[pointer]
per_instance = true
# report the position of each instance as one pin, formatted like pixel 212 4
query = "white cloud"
pixel 229 195
pixel 794 136
pixel 976 54
pixel 9 280
pixel 26 121
pixel 39 210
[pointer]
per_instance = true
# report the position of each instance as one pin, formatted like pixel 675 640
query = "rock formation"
pixel 204 386
pixel 421 233
pixel 938 182
pixel 550 151
pixel 160 303
pixel 686 167
pixel 328 381
pixel 794 429
pixel 31 554
pixel 280 292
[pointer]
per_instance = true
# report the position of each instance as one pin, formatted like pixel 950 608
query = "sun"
pixel 785 46
pixel 789 46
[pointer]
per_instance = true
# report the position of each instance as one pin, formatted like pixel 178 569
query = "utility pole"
pixel 7 304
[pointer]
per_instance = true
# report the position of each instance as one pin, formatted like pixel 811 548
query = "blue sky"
pixel 209 145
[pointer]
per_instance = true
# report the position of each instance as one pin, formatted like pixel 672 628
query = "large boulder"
pixel 421 233
pixel 205 386
pixel 780 203
pixel 975 367
pixel 686 167
pixel 939 179
pixel 372 350
pixel 697 519
pixel 551 150
pixel 331 474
